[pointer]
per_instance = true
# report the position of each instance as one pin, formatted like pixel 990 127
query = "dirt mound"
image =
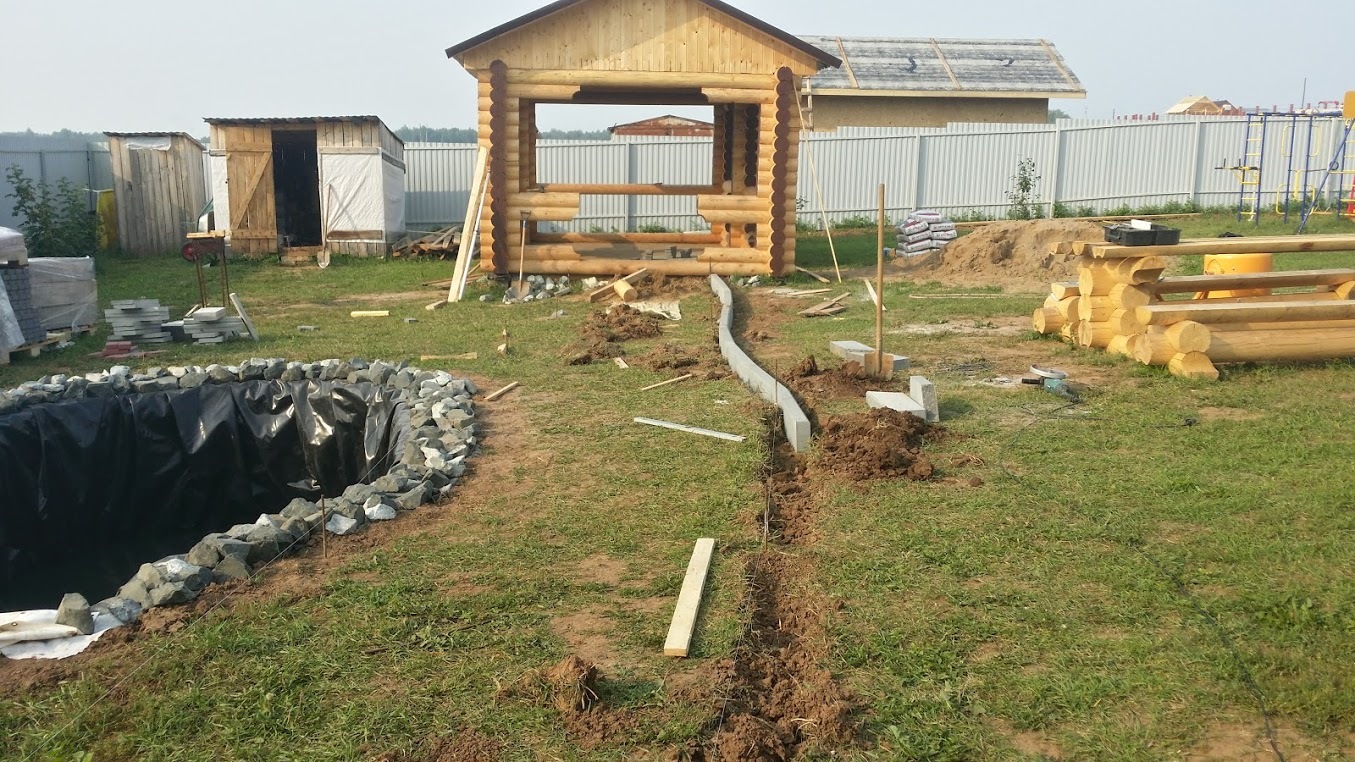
pixel 601 334
pixel 847 381
pixel 571 688
pixel 1014 255
pixel 704 362
pixel 879 444
pixel 467 746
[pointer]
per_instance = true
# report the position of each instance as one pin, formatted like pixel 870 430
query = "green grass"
pixel 1029 594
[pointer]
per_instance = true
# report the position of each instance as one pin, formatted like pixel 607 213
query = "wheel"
pixel 191 252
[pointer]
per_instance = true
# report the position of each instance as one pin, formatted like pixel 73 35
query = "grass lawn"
pixel 1119 579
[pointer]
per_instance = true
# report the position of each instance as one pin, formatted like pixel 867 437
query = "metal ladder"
pixel 1249 169
pixel 1342 167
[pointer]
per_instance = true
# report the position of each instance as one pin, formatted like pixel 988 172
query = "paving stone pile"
pixel 18 284
pixel 442 433
pixel 138 320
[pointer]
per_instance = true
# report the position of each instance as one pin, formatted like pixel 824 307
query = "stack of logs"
pixel 1122 303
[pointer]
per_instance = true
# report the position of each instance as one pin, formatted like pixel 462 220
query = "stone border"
pixel 759 380
pixel 441 433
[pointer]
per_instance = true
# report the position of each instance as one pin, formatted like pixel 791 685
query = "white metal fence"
pixel 48 160
pixel 959 169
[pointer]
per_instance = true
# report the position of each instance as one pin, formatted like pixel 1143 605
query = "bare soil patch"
pixel 570 687
pixel 601 335
pixel 702 362
pixel 816 385
pixel 1014 255
pixel 585 633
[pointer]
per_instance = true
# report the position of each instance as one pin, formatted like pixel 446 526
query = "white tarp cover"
pixel 220 198
pixel 12 243
pixel 395 198
pixel 11 334
pixel 351 194
pixel 57 648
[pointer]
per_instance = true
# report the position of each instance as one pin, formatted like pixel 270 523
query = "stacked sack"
pixel 924 230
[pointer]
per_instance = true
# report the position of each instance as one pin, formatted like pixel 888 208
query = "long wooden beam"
pixel 679 640
pixel 630 189
pixel 1249 245
pixel 612 78
pixel 1296 344
pixel 1203 312
pixel 677 239
pixel 1195 283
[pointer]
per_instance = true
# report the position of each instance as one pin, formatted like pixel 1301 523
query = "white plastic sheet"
pixel 58 648
pixel 394 183
pixel 351 193
pixel 220 196
pixel 11 334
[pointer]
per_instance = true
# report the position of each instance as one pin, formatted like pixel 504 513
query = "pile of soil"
pixel 571 688
pixel 704 362
pixel 602 333
pixel 1014 255
pixel 466 746
pixel 880 444
pixel 847 381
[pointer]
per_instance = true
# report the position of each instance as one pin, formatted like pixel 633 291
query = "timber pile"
pixel 441 243
pixel 1121 302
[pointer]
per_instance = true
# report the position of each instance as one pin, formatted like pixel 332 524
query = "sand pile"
pixel 1014 255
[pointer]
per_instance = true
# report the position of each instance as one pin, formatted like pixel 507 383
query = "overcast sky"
pixel 164 64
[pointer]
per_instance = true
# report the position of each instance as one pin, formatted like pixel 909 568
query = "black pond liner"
pixel 90 489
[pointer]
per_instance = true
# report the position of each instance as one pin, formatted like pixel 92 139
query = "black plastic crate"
pixel 1158 235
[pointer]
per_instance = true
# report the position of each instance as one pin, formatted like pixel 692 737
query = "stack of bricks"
pixel 208 325
pixel 19 286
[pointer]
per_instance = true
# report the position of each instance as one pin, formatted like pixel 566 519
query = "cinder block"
pixel 858 352
pixel 923 392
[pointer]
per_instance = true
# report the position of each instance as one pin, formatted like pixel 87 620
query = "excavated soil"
pixel 879 444
pixel 703 362
pixel 601 335
pixel 816 385
pixel 467 746
pixel 1014 255
pixel 570 687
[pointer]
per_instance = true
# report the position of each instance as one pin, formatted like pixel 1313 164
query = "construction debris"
pixel 823 309
pixel 683 377
pixel 495 395
pixel 690 429
pixel 206 325
pixel 536 288
pixel 679 640
pixel 439 243
pixel 369 313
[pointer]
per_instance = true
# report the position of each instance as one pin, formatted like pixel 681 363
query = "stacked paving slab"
pixel 442 432
pixel 207 325
pixel 19 286
pixel 138 320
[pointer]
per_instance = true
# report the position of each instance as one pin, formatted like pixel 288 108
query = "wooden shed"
pixel 673 52
pixel 299 185
pixel 159 189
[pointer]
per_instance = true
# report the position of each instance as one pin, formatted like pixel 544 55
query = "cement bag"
pixel 913 226
pixel 919 247
pixel 927 215
pixel 945 235
pixel 941 226
pixel 938 244
pixel 925 235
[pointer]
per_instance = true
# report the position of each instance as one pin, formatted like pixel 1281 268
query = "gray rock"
pixel 178 571
pixel 75 388
pixel 170 593
pixel 298 508
pixel 266 542
pixel 137 592
pixel 274 370
pixel 391 484
pixel 74 612
pixel 253 370
pixel 192 380
pixel 341 525
pixel 294 372
pixel 205 553
pixel 149 576
pixel 177 371
pixel 402 380
pixel 359 493
pixel 297 528
pixel 413 498
pixel 230 546
pixel 231 567
pixel 99 389
pixel 124 610
pixel 219 375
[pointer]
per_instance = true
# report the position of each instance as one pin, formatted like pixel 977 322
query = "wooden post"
pixel 880 289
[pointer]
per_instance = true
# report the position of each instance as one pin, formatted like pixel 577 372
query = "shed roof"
pixel 931 66
pixel 799 43
pixel 184 135
pixel 667 120
pixel 290 119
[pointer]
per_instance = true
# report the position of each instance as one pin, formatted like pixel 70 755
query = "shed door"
pixel 249 181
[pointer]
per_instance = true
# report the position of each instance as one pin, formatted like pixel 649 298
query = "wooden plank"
pixel 472 224
pixel 462 356
pixel 679 640
pixel 1245 312
pixel 244 316
pixel 689 429
pixel 812 274
pixel 874 297
pixel 819 308
pixel 683 377
pixel 501 392
pixel 369 313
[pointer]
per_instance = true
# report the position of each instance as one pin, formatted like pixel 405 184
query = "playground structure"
pixel 1310 182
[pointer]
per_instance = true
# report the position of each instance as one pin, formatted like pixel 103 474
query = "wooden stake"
pixel 880 288
pixel 324 541
pixel 501 392
pixel 683 377
pixel 679 640
pixel 522 258
pixel 462 356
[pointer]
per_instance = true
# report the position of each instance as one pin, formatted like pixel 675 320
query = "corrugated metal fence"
pixel 961 169
pixel 84 164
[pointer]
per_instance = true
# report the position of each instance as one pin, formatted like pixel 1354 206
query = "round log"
pixel 1193 365
pixel 1095 308
pixel 1126 296
pixel 1094 334
pixel 1344 290
pixel 1118 345
pixel 1046 320
pixel 1298 344
pixel 1244 312
pixel 601 266
pixel 1068 309
pixel 1152 347
pixel 1094 278
pixel 1188 337
pixel 1125 323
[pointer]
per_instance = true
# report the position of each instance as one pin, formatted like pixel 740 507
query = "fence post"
pixel 1055 174
pixel 1194 164
pixel 920 155
pixel 631 177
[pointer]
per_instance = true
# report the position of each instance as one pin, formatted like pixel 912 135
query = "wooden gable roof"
pixel 706 36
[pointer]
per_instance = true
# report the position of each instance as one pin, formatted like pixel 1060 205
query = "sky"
pixel 153 65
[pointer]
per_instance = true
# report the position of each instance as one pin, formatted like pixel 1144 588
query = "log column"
pixel 781 200
pixel 498 165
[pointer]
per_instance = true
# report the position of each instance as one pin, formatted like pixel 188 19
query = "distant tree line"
pixel 96 137
pixel 422 134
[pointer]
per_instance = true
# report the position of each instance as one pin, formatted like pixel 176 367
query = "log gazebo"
pixel 660 52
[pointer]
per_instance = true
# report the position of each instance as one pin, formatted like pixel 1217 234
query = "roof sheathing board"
pixel 978 66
